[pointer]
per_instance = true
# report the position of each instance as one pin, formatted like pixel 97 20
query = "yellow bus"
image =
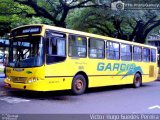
pixel 49 58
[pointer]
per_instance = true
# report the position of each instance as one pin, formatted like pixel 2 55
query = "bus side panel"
pixel 57 83
pixel 60 75
pixel 150 72
pixel 108 72
pixel 100 72
pixel 109 80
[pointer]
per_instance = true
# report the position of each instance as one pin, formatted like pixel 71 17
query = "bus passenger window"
pixel 146 54
pixel 55 47
pixel 77 46
pixel 153 55
pixel 112 50
pixel 137 53
pixel 96 48
pixel 126 52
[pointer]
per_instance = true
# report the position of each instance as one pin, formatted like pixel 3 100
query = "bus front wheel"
pixel 78 84
pixel 137 82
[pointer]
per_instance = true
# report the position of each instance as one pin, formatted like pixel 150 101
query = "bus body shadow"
pixel 65 94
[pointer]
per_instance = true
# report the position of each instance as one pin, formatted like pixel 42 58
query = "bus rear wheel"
pixel 78 85
pixel 137 82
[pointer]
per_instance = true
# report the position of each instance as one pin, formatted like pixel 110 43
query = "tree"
pixel 13 14
pixel 84 15
pixel 143 28
pixel 130 25
pixel 55 10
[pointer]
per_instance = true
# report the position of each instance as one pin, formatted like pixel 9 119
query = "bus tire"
pixel 137 82
pixel 79 84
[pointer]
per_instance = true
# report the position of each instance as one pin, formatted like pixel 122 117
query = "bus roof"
pixel 85 34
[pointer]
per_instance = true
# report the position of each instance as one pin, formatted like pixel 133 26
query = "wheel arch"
pixel 139 73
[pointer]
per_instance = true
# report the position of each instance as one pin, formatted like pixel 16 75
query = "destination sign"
pixel 30 30
pixel 26 30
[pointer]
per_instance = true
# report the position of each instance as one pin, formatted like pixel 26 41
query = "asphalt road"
pixel 116 99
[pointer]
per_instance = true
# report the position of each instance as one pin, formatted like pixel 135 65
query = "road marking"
pixel 154 107
pixel 13 99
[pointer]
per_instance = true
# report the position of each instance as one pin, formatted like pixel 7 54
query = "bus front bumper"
pixel 42 85
pixel 20 86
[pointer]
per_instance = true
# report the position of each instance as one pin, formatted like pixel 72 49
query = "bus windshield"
pixel 26 52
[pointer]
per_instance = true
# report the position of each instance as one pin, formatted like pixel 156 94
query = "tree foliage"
pixel 13 14
pixel 84 15
pixel 130 25
pixel 55 10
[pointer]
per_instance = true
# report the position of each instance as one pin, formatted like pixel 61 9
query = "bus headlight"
pixel 31 80
pixel 8 79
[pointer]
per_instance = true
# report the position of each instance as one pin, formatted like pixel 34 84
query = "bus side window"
pixel 55 47
pixel 96 48
pixel 137 53
pixel 77 46
pixel 112 50
pixel 153 55
pixel 146 54
pixel 126 52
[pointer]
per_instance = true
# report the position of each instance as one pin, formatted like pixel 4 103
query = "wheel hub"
pixel 79 84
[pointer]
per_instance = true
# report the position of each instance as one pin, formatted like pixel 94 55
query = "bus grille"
pixel 19 79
